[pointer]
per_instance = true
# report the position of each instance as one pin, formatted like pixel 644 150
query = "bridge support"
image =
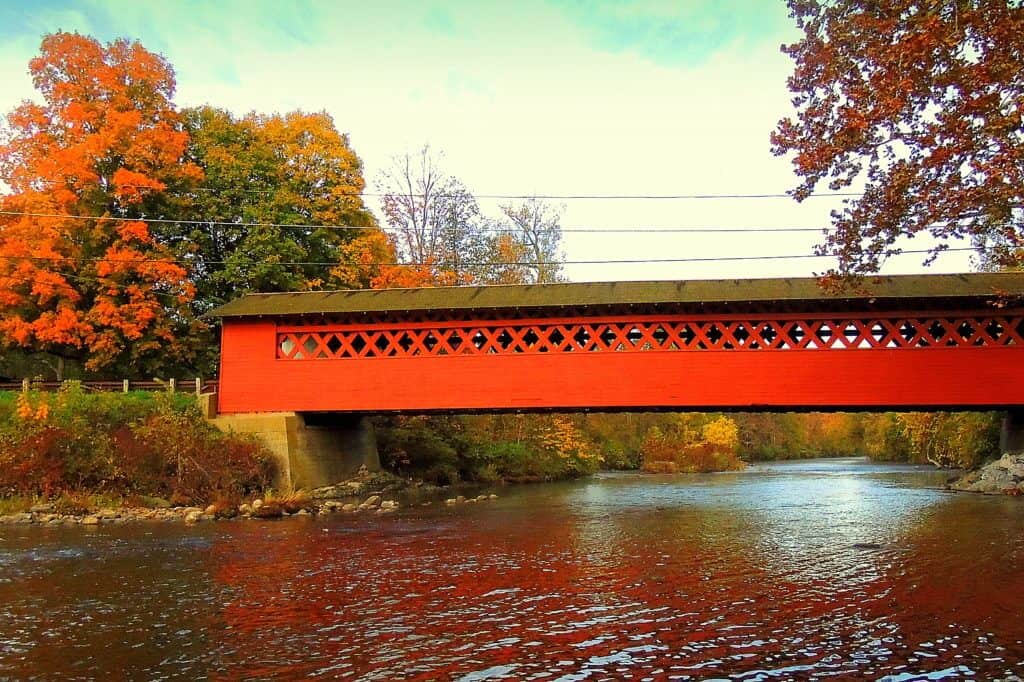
pixel 311 451
pixel 1011 439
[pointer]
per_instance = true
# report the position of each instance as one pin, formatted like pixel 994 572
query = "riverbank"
pixel 365 493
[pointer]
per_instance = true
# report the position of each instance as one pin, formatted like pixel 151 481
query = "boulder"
pixel 1004 475
pixel 194 516
pixel 244 509
pixel 91 521
pixel 370 502
pixel 256 504
pixel 267 511
pixel 325 493
pixel 211 510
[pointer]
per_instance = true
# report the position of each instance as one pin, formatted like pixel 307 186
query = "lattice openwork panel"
pixel 490 338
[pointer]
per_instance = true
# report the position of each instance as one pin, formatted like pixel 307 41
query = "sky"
pixel 541 97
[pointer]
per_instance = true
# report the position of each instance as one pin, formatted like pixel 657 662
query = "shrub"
pixel 158 445
pixel 415 444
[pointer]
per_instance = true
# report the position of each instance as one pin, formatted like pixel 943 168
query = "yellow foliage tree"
pixel 564 439
pixel 722 434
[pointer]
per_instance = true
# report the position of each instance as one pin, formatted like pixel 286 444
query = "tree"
pixel 563 439
pixel 435 218
pixel 81 275
pixel 370 262
pixel 922 103
pixel 293 169
pixel 722 433
pixel 536 226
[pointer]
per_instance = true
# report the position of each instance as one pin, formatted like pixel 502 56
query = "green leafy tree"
pixel 293 170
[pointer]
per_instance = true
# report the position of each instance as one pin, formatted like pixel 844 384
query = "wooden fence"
pixel 197 386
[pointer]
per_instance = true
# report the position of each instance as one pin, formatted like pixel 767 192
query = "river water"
pixel 826 568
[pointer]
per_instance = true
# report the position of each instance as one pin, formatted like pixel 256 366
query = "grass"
pixel 67 503
pixel 15 505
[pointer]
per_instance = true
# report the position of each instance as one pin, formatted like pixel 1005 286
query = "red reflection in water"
pixel 676 594
pixel 750 576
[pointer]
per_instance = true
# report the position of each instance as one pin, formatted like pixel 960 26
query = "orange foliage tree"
pixel 370 261
pixel 81 276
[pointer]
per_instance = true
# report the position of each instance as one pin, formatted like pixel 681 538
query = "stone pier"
pixel 1011 439
pixel 311 450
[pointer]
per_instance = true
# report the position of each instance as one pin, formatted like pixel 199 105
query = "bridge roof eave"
pixel 722 292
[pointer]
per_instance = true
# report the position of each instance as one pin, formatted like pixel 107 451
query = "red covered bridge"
pixel 933 341
pixel 293 364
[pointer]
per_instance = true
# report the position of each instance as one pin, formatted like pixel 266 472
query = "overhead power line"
pixel 623 261
pixel 520 196
pixel 494 230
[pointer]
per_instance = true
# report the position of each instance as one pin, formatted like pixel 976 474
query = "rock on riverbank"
pixel 365 492
pixel 1005 476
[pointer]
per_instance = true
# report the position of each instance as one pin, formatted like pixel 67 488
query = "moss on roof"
pixel 723 291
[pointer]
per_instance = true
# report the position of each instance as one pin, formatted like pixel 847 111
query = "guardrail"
pixel 197 386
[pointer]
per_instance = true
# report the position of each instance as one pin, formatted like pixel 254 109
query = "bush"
pixel 155 445
pixel 416 444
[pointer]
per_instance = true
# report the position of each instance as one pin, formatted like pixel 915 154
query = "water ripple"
pixel 809 570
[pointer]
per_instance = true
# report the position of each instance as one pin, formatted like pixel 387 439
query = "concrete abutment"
pixel 310 450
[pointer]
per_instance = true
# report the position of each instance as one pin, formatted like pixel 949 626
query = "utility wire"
pixel 442 195
pixel 624 261
pixel 495 230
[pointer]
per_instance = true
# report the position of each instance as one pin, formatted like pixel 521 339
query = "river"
pixel 824 568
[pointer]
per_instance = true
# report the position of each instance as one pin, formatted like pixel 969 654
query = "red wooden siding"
pixel 777 361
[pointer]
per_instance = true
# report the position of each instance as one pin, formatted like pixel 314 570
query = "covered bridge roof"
pixel 576 294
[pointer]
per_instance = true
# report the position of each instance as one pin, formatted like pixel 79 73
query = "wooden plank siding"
pixel 967 369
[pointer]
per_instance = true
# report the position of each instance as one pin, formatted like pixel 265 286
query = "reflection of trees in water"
pixel 610 577
pixel 740 588
pixel 960 573
pixel 424 597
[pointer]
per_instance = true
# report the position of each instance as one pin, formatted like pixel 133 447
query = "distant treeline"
pixel 544 447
